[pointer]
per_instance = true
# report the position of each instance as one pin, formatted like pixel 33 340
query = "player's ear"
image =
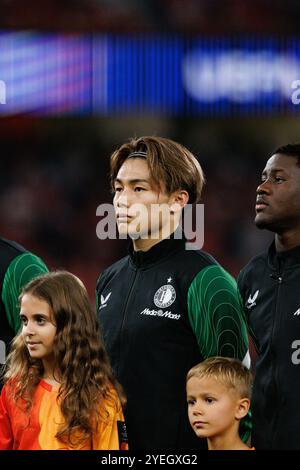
pixel 178 200
pixel 242 408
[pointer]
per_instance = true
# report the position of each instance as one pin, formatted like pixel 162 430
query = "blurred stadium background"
pixel 77 78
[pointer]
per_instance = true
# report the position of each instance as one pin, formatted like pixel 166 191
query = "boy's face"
pixel 212 407
pixel 142 210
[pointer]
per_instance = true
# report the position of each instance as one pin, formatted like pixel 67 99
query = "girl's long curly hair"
pixel 80 357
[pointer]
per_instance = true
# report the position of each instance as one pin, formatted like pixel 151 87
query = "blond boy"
pixel 218 396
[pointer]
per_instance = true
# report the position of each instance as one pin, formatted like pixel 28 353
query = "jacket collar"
pixel 284 259
pixel 161 250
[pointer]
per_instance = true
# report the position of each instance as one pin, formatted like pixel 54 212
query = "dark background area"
pixel 54 171
pixel 213 17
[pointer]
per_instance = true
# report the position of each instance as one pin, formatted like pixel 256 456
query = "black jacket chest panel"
pixel 270 288
pixel 148 305
pixel 144 318
pixel 9 250
pixel 274 314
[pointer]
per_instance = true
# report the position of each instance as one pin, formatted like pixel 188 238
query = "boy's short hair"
pixel 230 372
pixel 169 163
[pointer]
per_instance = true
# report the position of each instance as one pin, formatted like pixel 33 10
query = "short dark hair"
pixel 291 150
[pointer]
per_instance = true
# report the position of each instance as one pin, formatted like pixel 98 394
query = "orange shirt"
pixel 36 430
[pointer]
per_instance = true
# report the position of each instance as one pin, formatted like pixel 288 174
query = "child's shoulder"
pixel 111 403
pixel 10 386
pixel 111 397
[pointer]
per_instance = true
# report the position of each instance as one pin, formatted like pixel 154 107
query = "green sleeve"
pixel 21 270
pixel 216 314
pixel 217 319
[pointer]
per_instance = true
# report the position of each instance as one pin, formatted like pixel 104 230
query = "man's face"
pixel 142 210
pixel 278 195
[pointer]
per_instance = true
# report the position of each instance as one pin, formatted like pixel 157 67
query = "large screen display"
pixel 54 74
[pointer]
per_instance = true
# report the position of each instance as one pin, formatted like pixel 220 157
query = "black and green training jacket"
pixel 162 312
pixel 17 268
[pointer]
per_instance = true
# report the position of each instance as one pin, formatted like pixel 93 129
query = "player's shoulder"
pixel 12 253
pixel 11 247
pixel 255 263
pixel 254 269
pixel 199 258
pixel 113 270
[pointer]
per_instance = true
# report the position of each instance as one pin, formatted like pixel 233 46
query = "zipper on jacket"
pixel 125 316
pixel 277 320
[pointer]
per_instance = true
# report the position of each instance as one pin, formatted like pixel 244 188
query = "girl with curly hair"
pixel 60 392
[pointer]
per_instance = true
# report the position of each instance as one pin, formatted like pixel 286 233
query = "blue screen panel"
pixel 45 73
pixel 100 75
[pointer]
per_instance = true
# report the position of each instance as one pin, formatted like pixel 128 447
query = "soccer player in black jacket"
pixel 163 308
pixel 270 287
